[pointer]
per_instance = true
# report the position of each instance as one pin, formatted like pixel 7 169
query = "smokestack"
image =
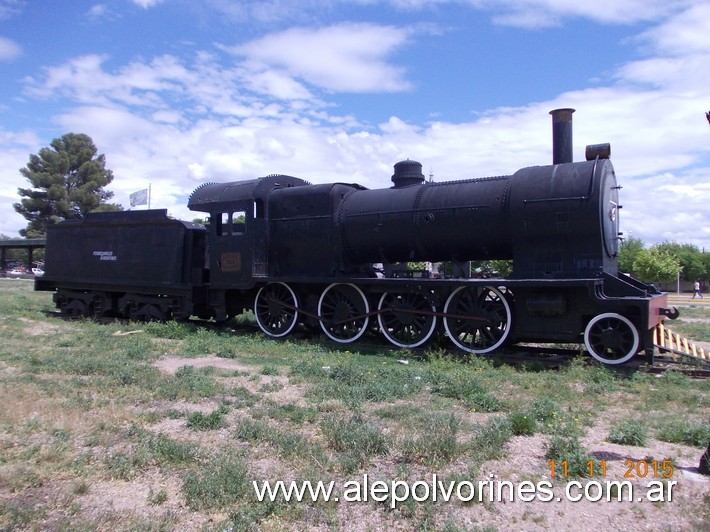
pixel 562 135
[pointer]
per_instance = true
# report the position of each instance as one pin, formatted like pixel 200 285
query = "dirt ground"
pixel 688 508
pixel 125 504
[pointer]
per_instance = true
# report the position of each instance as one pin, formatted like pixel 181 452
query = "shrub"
pixel 567 451
pixel 545 409
pixel 522 424
pixel 685 432
pixel 629 432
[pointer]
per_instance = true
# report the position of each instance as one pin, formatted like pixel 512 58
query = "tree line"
pixel 663 262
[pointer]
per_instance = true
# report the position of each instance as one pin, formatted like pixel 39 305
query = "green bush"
pixel 686 432
pixel 567 453
pixel 629 432
pixel 522 424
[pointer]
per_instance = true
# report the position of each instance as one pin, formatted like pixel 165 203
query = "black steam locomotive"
pixel 324 256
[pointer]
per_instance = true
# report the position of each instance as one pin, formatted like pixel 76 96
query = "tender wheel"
pixel 477 318
pixel 148 312
pixel 75 308
pixel 343 310
pixel 611 338
pixel 276 309
pixel 406 320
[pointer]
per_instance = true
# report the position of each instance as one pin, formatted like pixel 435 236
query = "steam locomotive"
pixel 325 256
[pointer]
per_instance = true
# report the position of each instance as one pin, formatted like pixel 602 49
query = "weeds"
pixel 522 424
pixel 187 383
pixel 489 439
pixel 357 440
pixel 629 432
pixel 212 421
pixel 435 440
pixel 218 484
pixel 696 434
pixel 357 384
pixel 565 451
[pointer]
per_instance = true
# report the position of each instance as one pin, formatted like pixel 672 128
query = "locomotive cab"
pixel 238 241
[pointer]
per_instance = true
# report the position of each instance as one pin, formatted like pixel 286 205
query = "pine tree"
pixel 67 179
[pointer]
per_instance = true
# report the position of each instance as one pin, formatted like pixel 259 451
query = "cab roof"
pixel 220 197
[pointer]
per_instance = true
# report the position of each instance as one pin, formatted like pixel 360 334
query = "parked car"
pixel 38 272
pixel 15 272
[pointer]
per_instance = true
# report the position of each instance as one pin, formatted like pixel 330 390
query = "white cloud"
pixel 346 57
pixel 146 4
pixel 276 84
pixel 13 155
pixel 686 32
pixel 9 49
pixel 176 122
pixel 97 11
pixel 10 8
pixel 537 12
pixel 521 13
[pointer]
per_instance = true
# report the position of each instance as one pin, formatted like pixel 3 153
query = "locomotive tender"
pixel 297 253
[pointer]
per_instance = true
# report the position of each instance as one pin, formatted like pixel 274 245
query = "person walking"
pixel 696 290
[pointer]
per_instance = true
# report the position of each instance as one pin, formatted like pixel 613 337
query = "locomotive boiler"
pixel 299 253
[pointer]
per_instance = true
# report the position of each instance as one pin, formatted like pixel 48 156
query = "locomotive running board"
pixel 669 342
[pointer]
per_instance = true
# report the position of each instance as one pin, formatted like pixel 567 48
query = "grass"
pixel 91 413
pixel 220 483
pixel 435 442
pixel 686 431
pixel 212 421
pixel 355 439
pixel 629 432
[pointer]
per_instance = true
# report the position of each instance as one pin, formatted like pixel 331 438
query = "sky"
pixel 176 93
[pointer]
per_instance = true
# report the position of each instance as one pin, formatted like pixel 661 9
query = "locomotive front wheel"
pixel 406 320
pixel 276 309
pixel 611 338
pixel 343 311
pixel 477 318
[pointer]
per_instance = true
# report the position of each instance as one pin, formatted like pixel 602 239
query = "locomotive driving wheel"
pixel 611 338
pixel 406 319
pixel 343 311
pixel 276 309
pixel 477 318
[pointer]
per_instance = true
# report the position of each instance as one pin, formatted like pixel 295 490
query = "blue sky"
pixel 179 92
